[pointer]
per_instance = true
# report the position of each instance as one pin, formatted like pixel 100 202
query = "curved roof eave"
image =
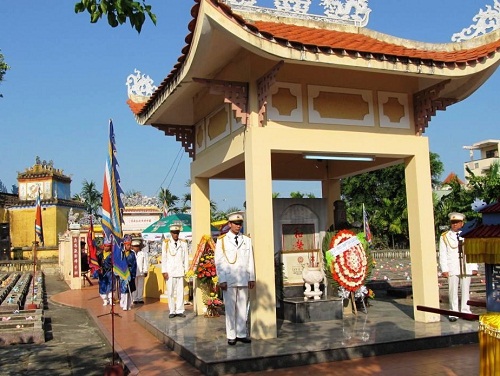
pixel 352 48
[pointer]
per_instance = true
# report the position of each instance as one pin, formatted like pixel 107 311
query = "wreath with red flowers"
pixel 350 267
pixel 206 271
pixel 203 263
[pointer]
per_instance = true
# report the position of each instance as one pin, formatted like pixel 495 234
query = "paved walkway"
pixel 145 355
pixel 74 344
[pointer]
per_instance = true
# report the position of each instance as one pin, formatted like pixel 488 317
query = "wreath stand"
pixel 353 303
pixel 352 299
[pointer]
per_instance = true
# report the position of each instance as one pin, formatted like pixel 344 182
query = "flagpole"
pixel 112 303
pixel 34 274
pixel 364 222
pixel 32 305
pixel 112 220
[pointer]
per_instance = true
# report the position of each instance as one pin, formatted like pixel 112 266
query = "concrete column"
pixel 421 228
pixel 331 191
pixel 200 223
pixel 259 216
pixel 200 208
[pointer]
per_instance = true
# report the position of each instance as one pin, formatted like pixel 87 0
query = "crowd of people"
pixel 234 262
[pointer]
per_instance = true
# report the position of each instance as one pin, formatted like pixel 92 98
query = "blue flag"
pixel 112 209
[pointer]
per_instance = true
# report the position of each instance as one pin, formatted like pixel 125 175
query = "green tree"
pixel 298 194
pixel 117 12
pixel 186 203
pixel 383 193
pixel 3 69
pixel 487 186
pixel 168 198
pixel 459 199
pixel 3 188
pixel 91 198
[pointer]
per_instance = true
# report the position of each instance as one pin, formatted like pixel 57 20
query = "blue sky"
pixel 67 79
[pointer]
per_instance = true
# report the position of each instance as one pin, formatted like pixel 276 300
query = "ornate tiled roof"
pixel 492 208
pixel 364 44
pixel 452 177
pixel 8 199
pixel 484 231
pixel 42 169
pixel 50 202
pixel 333 41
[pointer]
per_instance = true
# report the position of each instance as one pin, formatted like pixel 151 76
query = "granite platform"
pixel 387 327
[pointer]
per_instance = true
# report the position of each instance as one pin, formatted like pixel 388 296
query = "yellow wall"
pixel 22 225
pixel 4 215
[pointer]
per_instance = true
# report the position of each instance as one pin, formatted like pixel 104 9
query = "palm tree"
pixel 186 203
pixel 166 197
pixel 91 198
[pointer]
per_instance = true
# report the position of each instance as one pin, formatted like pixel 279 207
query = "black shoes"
pixel 232 342
pixel 452 319
pixel 172 315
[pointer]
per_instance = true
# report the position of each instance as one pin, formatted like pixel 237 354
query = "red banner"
pixel 75 248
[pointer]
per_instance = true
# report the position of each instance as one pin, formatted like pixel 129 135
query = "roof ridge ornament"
pixel 486 21
pixel 140 87
pixel 346 12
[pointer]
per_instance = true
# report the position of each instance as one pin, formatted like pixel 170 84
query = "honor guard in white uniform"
pixel 174 264
pixel 142 270
pixel 449 263
pixel 236 271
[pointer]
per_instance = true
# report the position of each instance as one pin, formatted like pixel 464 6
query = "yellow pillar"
pixel 421 228
pixel 259 217
pixel 331 191
pixel 200 223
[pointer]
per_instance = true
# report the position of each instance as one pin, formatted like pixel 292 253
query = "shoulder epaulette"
pixel 183 240
pixel 444 233
pixel 220 237
pixel 166 240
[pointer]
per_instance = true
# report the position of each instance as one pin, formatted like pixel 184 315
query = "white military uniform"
pixel 235 266
pixel 142 270
pixel 449 262
pixel 174 261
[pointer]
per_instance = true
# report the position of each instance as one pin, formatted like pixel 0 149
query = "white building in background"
pixel 137 218
pixel 480 162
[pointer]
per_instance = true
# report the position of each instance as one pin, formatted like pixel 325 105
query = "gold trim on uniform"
pixel 225 255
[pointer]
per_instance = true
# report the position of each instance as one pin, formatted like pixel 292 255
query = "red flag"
pixel 92 249
pixel 38 217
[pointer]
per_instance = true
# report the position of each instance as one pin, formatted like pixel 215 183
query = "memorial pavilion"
pixel 264 94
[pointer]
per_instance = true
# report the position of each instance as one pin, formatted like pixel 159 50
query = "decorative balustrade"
pixel 391 254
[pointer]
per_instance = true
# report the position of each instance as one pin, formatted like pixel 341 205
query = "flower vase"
pixel 212 312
